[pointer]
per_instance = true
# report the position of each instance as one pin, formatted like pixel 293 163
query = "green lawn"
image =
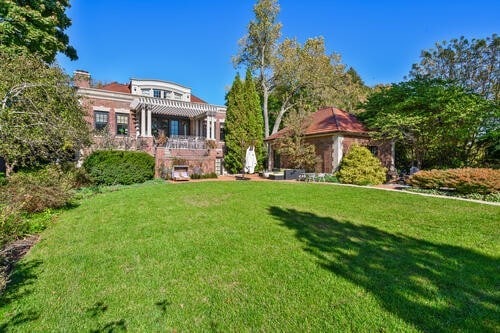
pixel 261 256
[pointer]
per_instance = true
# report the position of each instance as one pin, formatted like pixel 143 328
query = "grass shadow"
pixel 435 287
pixel 23 276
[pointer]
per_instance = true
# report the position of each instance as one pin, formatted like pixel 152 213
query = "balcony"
pixel 186 142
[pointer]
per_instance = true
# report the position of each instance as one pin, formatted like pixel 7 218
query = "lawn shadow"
pixel 435 287
pixel 163 305
pixel 23 276
pixel 113 326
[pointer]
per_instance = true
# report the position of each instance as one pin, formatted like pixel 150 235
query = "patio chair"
pixel 320 177
pixel 310 177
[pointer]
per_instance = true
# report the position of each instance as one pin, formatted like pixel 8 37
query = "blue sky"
pixel 191 42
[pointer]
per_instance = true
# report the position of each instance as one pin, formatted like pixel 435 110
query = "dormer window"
pixel 167 94
pixel 146 92
pixel 157 93
pixel 177 96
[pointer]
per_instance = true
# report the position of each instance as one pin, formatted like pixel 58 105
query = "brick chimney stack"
pixel 81 78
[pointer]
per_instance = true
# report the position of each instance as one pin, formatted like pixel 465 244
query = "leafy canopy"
pixel 437 123
pixel 473 64
pixel 41 118
pixel 36 26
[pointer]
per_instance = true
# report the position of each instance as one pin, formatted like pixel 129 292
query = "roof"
pixel 125 88
pixel 171 107
pixel 116 87
pixel 195 99
pixel 329 120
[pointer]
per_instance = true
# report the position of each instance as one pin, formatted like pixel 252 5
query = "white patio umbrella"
pixel 250 160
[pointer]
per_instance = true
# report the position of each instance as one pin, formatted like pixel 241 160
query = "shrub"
pixel 35 191
pixel 360 167
pixel 110 167
pixel 464 181
pixel 12 223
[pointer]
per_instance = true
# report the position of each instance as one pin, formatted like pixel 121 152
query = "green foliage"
pixel 12 223
pixel 258 49
pixel 36 26
pixel 35 191
pixel 360 167
pixel 473 64
pixel 244 124
pixel 41 119
pixel 296 152
pixel 464 181
pixel 437 124
pixel 110 167
pixel 306 77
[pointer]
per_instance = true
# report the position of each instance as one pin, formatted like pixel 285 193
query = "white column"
pixel 143 122
pixel 213 128
pixel 148 131
pixel 337 151
pixel 208 127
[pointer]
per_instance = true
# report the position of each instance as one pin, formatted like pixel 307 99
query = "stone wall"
pixel 197 160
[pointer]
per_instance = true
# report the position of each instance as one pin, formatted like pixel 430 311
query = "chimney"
pixel 81 78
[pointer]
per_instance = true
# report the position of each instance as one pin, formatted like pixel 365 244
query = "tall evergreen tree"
pixel 244 123
pixel 255 119
pixel 235 133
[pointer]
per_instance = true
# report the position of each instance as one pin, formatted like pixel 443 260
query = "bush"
pixel 111 167
pixel 360 167
pixel 464 181
pixel 35 191
pixel 12 223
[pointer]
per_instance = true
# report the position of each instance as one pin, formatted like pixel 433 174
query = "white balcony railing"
pixel 186 142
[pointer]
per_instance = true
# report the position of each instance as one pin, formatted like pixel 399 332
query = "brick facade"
pixel 116 99
pixel 333 132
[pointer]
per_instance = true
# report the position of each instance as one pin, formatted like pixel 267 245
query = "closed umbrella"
pixel 250 160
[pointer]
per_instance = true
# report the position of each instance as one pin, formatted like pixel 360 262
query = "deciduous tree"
pixel 40 116
pixel 471 64
pixel 438 123
pixel 258 49
pixel 292 145
pixel 37 26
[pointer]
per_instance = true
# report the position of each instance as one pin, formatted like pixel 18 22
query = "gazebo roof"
pixel 326 121
pixel 170 107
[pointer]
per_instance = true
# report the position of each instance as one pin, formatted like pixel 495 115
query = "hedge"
pixel 111 167
pixel 464 181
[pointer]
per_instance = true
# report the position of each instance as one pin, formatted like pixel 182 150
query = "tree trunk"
pixel 9 168
pixel 277 122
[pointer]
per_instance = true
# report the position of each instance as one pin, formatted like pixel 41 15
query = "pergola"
pixel 146 107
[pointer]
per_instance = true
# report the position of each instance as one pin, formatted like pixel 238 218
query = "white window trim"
pixel 101 108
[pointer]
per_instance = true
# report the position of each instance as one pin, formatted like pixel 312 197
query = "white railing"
pixel 186 142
